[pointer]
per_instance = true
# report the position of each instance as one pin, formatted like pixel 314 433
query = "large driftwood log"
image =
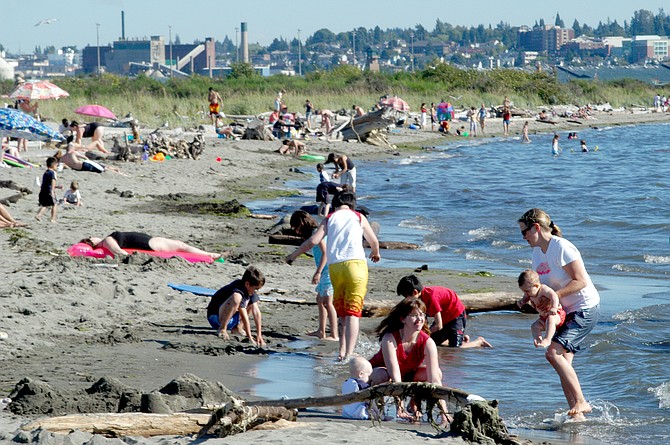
pixel 147 425
pixel 124 424
pixel 480 302
pixel 478 420
pixel 418 390
pixel 359 128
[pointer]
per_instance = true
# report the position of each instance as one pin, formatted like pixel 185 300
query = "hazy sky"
pixel 197 19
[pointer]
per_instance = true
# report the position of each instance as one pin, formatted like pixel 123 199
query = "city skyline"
pixel 74 23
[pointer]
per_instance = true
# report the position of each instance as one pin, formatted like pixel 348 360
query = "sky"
pixel 196 19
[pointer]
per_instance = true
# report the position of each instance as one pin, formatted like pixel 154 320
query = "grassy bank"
pixel 182 102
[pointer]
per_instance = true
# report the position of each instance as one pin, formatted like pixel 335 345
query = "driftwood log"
pixel 147 425
pixel 480 302
pixel 156 143
pixel 235 417
pixel 14 186
pixel 360 128
pixel 124 424
pixel 417 390
pixel 257 130
pixel 478 420
pixel 293 240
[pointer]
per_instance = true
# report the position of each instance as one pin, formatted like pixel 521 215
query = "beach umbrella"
pixel 95 111
pixel 14 123
pixel 396 103
pixel 41 90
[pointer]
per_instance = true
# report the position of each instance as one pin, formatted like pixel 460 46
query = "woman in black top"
pixel 94 130
pixel 117 241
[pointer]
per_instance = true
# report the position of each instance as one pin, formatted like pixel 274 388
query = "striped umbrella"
pixel 14 123
pixel 40 90
pixel 396 103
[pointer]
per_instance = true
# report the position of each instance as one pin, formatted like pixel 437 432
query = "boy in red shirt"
pixel 447 310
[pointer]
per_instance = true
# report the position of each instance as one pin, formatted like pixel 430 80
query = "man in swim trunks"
pixel 215 101
pixel 73 160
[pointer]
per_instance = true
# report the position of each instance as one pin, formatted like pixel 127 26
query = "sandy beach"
pixel 71 321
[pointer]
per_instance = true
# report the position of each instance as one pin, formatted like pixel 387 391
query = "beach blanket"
pixel 83 249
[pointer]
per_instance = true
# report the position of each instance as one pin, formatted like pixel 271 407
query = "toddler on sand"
pixel 72 195
pixel 359 378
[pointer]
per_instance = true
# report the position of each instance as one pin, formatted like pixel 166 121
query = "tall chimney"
pixel 123 25
pixel 244 42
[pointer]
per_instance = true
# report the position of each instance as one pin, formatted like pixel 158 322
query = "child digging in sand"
pixel 545 301
pixel 304 225
pixel 47 197
pixel 230 306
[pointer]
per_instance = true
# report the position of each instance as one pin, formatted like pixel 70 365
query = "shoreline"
pixel 71 321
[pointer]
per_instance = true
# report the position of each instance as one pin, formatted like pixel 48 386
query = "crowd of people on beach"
pixel 557 285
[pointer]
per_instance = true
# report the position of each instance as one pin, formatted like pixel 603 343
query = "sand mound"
pixel 109 395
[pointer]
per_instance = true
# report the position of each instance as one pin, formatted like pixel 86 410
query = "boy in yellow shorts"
pixel 347 265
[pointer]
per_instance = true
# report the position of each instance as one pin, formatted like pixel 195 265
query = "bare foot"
pixel 315 334
pixel 480 342
pixel 579 417
pixel 53 221
pixel 582 407
pixel 331 338
pixel 37 218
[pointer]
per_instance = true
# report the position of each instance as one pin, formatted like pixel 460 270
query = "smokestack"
pixel 123 25
pixel 245 42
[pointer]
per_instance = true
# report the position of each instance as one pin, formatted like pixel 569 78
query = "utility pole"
pixel 97 43
pixel 299 55
pixel 237 47
pixel 412 37
pixel 170 28
pixel 353 45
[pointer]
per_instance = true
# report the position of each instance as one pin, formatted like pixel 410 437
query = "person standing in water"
pixel 560 266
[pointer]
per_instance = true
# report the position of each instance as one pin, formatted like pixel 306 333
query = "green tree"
pixel 642 23
pixel 322 36
pixel 278 45
pixel 242 70
pixel 576 27
pixel 559 22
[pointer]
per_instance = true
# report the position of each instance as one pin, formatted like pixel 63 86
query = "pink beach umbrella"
pixel 396 103
pixel 41 90
pixel 95 111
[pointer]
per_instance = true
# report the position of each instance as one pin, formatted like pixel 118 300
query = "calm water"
pixel 461 202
